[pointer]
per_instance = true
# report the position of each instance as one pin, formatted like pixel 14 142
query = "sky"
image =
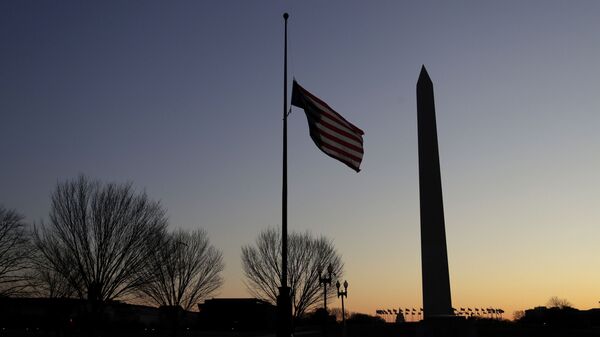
pixel 184 100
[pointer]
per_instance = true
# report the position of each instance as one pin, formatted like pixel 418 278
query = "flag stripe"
pixel 334 132
pixel 346 158
pixel 330 132
pixel 349 147
pixel 346 152
pixel 334 126
pixel 336 155
pixel 327 109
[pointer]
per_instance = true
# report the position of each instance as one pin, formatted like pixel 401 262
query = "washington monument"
pixel 434 258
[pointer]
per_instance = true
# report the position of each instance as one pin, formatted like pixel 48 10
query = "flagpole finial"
pixel 286 16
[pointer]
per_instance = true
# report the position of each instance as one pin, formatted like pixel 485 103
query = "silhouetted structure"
pixel 566 317
pixel 237 314
pixel 284 301
pixel 436 280
pixel 74 316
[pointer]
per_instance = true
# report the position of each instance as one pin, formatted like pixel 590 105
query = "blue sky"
pixel 184 100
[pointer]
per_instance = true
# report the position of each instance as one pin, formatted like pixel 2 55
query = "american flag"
pixel 333 134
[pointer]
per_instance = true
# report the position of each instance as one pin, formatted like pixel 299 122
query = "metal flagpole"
pixel 284 304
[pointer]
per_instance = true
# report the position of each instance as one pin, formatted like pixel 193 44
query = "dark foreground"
pixel 478 328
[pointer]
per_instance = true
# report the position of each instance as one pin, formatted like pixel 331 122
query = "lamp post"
pixel 343 294
pixel 325 280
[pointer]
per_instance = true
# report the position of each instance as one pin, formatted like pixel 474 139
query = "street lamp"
pixel 343 294
pixel 325 280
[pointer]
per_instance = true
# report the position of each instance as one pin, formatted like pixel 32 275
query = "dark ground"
pixel 472 329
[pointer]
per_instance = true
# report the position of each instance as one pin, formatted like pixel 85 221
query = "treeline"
pixel 106 241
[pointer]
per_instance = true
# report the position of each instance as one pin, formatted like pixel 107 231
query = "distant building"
pixel 562 317
pixel 71 314
pixel 45 313
pixel 244 314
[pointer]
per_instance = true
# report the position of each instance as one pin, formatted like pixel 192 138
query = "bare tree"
pixel 183 270
pixel 308 256
pixel 337 313
pixel 14 250
pixel 44 281
pixel 98 237
pixel 518 315
pixel 561 303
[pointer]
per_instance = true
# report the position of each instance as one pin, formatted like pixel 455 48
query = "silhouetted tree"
pixel 183 270
pixel 364 319
pixel 307 257
pixel 45 281
pixel 98 236
pixel 337 313
pixel 561 303
pixel 518 315
pixel 14 250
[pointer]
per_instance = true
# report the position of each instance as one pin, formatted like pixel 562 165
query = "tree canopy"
pixel 14 251
pixel 183 270
pixel 308 257
pixel 98 236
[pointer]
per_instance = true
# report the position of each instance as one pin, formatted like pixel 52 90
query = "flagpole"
pixel 284 189
pixel 284 305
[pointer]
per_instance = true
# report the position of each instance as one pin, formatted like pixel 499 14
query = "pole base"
pixel 284 313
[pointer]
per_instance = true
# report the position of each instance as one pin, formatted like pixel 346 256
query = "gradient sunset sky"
pixel 184 99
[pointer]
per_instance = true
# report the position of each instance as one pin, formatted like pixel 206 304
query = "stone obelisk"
pixel 434 257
